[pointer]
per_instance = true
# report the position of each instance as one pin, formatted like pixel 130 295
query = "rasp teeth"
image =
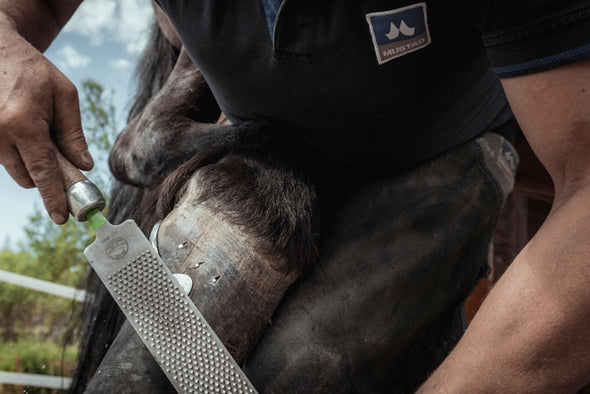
pixel 160 311
pixel 174 329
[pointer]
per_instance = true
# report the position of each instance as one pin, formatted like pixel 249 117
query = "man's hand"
pixel 39 111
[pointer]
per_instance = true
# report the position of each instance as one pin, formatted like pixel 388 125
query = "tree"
pixel 100 125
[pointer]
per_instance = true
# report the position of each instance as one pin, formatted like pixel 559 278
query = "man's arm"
pixel 532 332
pixel 38 104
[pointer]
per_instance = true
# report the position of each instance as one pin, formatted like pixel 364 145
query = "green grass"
pixel 43 358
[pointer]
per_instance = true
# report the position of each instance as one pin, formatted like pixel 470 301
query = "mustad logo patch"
pixel 398 32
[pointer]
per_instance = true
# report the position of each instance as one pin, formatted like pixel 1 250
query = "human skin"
pixel 530 334
pixel 38 103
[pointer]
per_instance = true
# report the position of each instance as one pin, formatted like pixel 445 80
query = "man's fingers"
pixel 67 127
pixel 37 102
pixel 42 167
pixel 25 141
pixel 15 167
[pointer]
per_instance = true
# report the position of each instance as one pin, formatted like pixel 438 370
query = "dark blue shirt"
pixel 376 80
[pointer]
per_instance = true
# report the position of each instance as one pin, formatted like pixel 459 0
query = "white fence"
pixel 42 285
pixel 29 379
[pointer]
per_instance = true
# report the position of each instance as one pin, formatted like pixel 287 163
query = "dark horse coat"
pixel 303 308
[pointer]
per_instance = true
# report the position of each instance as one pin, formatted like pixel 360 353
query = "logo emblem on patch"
pixel 398 32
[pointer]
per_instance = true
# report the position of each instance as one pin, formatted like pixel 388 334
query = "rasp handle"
pixel 81 194
pixel 70 174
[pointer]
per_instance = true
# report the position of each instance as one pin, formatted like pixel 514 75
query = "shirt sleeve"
pixel 526 36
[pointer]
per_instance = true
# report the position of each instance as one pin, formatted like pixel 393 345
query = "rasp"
pixel 156 305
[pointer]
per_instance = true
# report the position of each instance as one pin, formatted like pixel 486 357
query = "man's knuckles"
pixel 13 119
pixel 22 122
pixel 67 91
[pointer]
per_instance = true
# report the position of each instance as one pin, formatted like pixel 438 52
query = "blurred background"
pixel 41 264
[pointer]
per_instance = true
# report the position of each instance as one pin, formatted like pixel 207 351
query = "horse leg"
pixel 248 223
pixel 166 132
pixel 269 251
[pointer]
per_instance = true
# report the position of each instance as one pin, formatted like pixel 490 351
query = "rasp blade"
pixel 167 321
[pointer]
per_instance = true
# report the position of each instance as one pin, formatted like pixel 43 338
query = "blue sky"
pixel 102 41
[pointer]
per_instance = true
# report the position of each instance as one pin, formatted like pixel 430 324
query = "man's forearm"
pixel 531 334
pixel 38 21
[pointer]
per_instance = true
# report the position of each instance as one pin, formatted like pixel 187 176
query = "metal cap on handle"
pixel 81 194
pixel 82 197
